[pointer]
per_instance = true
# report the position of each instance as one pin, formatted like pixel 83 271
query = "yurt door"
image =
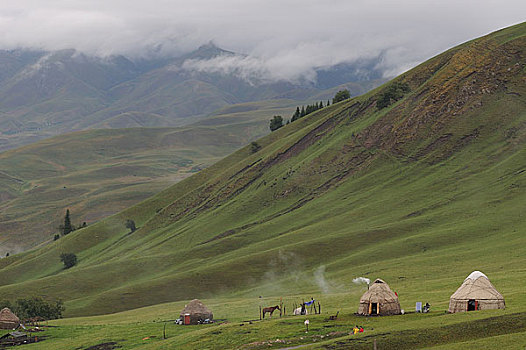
pixel 374 308
pixel 472 305
pixel 187 319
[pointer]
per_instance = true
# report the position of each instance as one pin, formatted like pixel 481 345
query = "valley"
pixel 419 182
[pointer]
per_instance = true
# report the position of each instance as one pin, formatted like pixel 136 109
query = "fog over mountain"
pixel 46 93
pixel 283 39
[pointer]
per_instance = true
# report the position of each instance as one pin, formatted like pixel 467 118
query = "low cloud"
pixel 248 68
pixel 282 39
pixel 254 69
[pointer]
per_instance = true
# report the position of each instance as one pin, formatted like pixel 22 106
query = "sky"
pixel 284 39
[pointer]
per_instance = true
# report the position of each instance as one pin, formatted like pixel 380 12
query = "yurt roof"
pixel 195 307
pixel 6 315
pixel 475 274
pixel 476 286
pixel 379 291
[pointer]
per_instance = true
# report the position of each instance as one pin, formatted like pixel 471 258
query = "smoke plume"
pixel 319 278
pixel 360 280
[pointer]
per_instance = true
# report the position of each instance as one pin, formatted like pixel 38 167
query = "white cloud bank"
pixel 285 39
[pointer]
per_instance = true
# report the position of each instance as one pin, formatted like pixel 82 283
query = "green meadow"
pixel 239 327
pixel 420 193
pixel 97 173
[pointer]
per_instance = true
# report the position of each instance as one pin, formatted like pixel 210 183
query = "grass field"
pixel 96 174
pixel 100 172
pixel 483 329
pixel 420 194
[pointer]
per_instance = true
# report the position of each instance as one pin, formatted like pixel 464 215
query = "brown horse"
pixel 270 310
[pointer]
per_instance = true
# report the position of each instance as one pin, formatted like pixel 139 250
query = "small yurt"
pixel 8 320
pixel 195 312
pixel 476 293
pixel 379 300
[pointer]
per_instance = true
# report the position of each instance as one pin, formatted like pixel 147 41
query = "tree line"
pixel 35 307
pixel 307 110
pixel 277 121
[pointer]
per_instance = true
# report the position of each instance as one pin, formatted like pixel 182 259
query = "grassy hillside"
pixel 95 166
pixel 419 193
pixel 101 172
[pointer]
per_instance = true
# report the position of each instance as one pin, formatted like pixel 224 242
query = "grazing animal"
pixel 298 311
pixel 333 317
pixel 270 310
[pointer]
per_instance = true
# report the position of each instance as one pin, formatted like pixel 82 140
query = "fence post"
pixel 260 312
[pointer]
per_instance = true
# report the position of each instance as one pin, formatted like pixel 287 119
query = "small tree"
pixel 56 237
pixel 341 95
pixel 254 147
pixel 276 122
pixel 391 94
pixel 69 259
pixel 131 225
pixel 67 224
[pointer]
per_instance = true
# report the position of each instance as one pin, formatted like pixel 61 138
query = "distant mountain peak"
pixel 208 51
pixel 209 45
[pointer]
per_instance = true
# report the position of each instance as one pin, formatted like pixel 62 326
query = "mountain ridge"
pixel 48 93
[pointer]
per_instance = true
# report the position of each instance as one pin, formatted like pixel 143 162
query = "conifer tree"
pixel 296 114
pixel 67 224
pixel 302 114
